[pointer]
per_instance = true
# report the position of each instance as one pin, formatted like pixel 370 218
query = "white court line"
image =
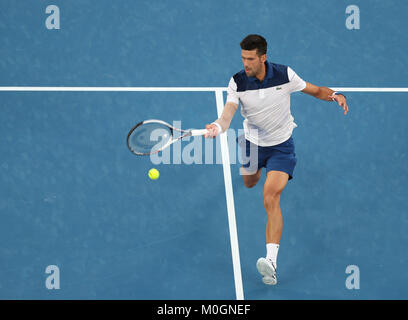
pixel 174 89
pixel 371 89
pixel 113 89
pixel 224 152
pixel 236 263
pixel 223 140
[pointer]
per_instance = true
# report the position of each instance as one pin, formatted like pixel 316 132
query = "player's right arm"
pixel 222 123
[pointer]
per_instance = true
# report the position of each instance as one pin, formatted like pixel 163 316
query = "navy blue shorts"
pixel 281 157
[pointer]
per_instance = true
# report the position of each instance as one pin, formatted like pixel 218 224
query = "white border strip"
pixel 174 89
pixel 236 263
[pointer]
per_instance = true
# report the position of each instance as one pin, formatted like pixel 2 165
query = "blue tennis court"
pixel 74 197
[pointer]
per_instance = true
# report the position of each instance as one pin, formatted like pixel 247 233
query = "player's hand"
pixel 212 131
pixel 341 100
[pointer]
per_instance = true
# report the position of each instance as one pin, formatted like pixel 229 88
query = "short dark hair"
pixel 254 41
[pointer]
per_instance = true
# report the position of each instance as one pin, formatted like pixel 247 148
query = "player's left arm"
pixel 326 94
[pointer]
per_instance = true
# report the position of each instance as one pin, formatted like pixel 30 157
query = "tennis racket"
pixel 152 136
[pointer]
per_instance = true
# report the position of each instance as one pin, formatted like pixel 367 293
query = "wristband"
pixel 339 93
pixel 218 126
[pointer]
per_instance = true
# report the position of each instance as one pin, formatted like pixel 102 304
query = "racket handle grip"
pixel 199 132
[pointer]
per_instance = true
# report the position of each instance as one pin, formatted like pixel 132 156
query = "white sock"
pixel 272 252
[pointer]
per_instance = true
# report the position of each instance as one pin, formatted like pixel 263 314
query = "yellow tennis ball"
pixel 154 174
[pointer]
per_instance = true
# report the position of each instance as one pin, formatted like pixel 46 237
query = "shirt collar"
pixel 268 75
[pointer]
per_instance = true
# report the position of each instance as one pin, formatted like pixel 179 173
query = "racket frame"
pixel 185 133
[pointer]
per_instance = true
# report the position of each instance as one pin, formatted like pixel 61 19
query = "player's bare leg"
pixel 274 185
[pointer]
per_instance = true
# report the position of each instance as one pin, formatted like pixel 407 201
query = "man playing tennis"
pixel 263 89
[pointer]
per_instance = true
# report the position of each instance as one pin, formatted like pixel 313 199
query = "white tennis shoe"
pixel 268 270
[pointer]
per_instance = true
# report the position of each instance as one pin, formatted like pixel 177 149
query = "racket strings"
pixel 149 138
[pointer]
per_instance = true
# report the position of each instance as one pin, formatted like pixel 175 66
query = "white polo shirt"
pixel 266 105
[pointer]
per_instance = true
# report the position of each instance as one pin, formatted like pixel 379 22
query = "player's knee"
pixel 250 180
pixel 271 199
pixel 250 183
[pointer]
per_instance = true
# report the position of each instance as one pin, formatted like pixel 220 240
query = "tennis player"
pixel 263 90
